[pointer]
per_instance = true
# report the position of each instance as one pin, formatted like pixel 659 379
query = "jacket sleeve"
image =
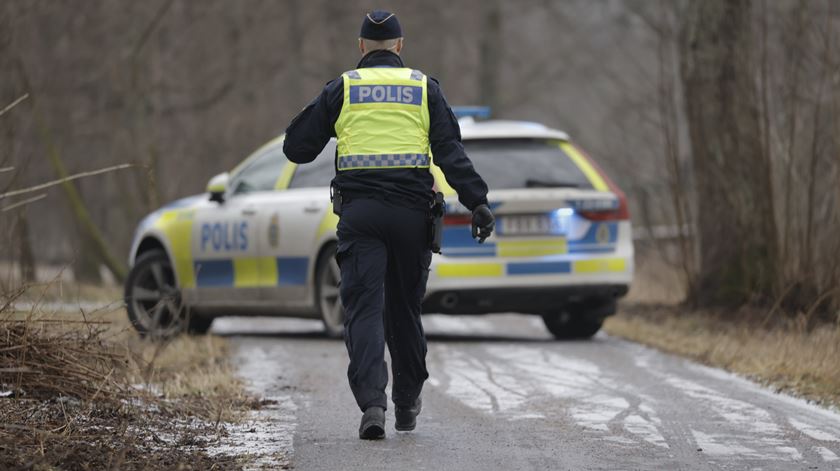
pixel 313 127
pixel 448 151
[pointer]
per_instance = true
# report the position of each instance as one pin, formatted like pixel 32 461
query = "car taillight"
pixel 622 212
pixel 457 220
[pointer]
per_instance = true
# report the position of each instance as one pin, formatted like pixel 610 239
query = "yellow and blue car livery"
pixel 554 241
pixel 255 252
pixel 253 243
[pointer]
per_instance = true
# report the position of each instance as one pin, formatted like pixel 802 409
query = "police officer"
pixel 389 121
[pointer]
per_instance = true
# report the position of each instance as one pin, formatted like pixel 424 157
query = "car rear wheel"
pixel 328 278
pixel 153 299
pixel 579 321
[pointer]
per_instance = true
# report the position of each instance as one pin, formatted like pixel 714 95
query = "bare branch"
pixel 65 179
pixel 22 203
pixel 13 104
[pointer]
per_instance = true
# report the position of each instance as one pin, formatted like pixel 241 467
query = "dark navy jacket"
pixel 310 131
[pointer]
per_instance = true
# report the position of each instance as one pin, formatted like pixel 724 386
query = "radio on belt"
pixel 438 210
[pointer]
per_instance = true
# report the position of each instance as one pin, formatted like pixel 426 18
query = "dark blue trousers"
pixel 384 255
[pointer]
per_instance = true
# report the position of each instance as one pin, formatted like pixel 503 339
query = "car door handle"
pixel 249 212
pixel 311 209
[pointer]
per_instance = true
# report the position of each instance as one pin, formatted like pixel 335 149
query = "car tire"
pixel 579 321
pixel 153 299
pixel 327 298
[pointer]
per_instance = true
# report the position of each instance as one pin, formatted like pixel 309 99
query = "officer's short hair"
pixel 374 45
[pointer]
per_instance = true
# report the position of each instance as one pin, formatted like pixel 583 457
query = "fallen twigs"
pixel 85 393
pixel 44 363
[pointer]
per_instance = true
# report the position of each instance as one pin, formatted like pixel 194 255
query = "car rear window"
pixel 524 163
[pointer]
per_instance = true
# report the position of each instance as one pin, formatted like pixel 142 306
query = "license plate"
pixel 532 224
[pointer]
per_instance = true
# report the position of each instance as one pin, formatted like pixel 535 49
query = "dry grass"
pixel 786 357
pixel 88 393
pixel 193 370
pixel 58 290
pixel 656 280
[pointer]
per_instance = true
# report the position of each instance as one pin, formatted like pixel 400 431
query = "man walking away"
pixel 389 120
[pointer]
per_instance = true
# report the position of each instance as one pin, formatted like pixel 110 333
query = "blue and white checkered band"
pixel 416 75
pixel 355 162
pixel 353 75
pixel 403 94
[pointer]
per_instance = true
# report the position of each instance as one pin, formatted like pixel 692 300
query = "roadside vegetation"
pixel 749 281
pixel 791 354
pixel 81 390
pixel 786 357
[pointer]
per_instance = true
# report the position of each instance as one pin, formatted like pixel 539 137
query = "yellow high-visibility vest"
pixel 384 120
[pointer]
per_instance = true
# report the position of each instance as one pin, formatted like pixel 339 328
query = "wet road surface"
pixel 504 395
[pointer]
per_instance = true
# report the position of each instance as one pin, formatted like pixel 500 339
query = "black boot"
pixel 373 424
pixel 407 416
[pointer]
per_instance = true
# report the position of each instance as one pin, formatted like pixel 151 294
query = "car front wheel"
pixel 328 278
pixel 153 300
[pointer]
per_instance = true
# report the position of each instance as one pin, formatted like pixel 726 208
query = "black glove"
pixel 482 223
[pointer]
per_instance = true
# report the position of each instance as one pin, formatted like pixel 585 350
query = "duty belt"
pixel 406 201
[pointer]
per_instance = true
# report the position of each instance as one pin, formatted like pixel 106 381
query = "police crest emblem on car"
pixel 602 234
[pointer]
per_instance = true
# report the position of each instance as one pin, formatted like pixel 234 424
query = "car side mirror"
pixel 217 186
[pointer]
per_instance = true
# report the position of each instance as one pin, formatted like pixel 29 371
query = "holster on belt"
pixel 337 200
pixel 437 212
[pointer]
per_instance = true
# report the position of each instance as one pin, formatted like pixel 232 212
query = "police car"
pixel 261 241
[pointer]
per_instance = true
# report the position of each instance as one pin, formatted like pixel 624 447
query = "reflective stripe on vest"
pixel 384 120
pixel 348 162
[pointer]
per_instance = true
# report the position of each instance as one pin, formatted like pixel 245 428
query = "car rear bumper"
pixel 522 300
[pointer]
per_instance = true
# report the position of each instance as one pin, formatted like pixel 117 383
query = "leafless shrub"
pixel 85 392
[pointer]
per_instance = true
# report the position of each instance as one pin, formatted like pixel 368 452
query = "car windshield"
pixel 524 163
pixel 260 172
pixel 317 173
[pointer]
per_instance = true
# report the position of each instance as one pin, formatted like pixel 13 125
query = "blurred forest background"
pixel 718 118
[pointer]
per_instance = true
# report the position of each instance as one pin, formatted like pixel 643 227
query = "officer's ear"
pixel 362 46
pixel 399 45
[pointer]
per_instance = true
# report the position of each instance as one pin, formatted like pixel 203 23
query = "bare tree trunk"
pixel 26 259
pixel 735 220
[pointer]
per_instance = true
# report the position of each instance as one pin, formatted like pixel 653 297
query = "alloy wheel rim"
pixel 156 300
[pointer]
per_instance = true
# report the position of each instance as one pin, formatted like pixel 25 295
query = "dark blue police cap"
pixel 380 25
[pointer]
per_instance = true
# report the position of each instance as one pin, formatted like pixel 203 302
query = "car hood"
pixel 144 225
pixel 183 203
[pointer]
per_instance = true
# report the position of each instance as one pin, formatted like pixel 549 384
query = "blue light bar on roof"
pixel 476 112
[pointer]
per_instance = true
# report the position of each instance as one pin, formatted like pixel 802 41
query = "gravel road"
pixel 503 395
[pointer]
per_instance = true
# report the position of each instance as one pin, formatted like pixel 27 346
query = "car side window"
pixel 261 173
pixel 317 173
